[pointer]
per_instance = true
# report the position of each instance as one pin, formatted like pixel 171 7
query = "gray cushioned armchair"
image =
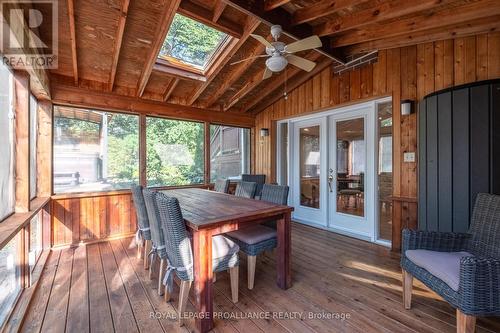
pixel 463 268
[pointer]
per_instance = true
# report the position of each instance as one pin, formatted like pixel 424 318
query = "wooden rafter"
pixel 72 33
pixel 424 21
pixel 468 28
pixel 161 32
pixel 380 11
pixel 205 16
pixel 218 10
pixel 225 57
pixel 284 18
pixel 78 97
pixel 321 9
pixel 276 81
pixel 272 4
pixel 235 74
pixel 118 42
pixel 170 89
pixel 293 83
pixel 250 85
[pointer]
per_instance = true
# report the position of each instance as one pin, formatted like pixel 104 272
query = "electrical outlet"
pixel 409 157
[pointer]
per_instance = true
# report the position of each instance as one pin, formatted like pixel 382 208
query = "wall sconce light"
pixel 406 107
pixel 264 132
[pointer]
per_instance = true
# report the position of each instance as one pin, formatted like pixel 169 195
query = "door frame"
pixel 325 114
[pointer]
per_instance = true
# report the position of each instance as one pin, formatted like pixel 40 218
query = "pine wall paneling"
pixel 404 73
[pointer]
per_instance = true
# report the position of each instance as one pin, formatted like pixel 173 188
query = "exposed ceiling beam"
pixel 379 11
pixel 273 83
pixel 283 18
pixel 295 82
pixel 225 57
pixel 118 42
pixel 170 89
pixel 72 34
pixel 78 97
pixel 424 21
pixel 250 85
pixel 236 72
pixel 468 28
pixel 205 16
pixel 321 9
pixel 161 32
pixel 271 4
pixel 19 31
pixel 218 10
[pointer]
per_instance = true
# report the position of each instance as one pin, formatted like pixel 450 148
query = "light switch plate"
pixel 409 157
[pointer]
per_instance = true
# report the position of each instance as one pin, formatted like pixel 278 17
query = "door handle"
pixel 330 180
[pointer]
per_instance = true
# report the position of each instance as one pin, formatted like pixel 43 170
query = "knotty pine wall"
pixel 404 73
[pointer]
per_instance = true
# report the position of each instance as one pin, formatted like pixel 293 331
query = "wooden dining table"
pixel 208 213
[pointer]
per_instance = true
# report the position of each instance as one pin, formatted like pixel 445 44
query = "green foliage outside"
pixel 190 41
pixel 179 138
pixel 174 148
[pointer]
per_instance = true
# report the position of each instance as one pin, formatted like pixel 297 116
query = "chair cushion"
pixel 443 265
pixel 223 247
pixel 254 234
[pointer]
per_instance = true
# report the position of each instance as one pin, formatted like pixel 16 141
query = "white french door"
pixel 309 170
pixel 351 173
pixel 332 170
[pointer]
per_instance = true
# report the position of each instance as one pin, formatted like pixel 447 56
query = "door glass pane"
pixel 351 164
pixel 309 166
pixel 284 154
pixel 384 173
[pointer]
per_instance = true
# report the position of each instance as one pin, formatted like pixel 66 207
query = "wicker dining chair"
pixel 224 252
pixel 143 234
pixel 158 247
pixel 245 189
pixel 463 268
pixel 259 179
pixel 261 237
pixel 221 185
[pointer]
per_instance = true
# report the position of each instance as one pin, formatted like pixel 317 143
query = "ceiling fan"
pixel 279 54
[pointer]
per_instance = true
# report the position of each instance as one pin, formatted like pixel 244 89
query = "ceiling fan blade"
pixel 254 57
pixel 267 74
pixel 304 44
pixel 262 40
pixel 301 63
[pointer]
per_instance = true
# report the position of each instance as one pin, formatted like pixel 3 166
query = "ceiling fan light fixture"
pixel 276 63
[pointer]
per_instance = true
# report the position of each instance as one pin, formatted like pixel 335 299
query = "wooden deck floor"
pixel 103 288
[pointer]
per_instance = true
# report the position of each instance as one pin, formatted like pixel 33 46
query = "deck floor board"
pixel 103 287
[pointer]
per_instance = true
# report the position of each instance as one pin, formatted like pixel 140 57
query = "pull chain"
pixel 285 96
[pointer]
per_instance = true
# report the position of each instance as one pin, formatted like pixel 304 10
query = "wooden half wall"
pixel 84 218
pixel 403 73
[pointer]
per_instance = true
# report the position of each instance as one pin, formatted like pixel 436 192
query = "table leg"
pixel 284 268
pixel 202 256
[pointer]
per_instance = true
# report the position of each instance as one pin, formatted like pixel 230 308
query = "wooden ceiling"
pixel 112 46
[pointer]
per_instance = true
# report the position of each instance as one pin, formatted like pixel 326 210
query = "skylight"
pixel 191 42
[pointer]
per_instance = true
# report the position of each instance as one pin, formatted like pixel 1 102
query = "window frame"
pixel 92 192
pixel 178 64
pixel 203 183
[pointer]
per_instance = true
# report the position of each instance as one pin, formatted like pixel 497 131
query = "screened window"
pixel 229 152
pixel 10 272
pixel 191 42
pixel 94 150
pixel 7 196
pixel 174 152
pixel 33 144
pixel 35 246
